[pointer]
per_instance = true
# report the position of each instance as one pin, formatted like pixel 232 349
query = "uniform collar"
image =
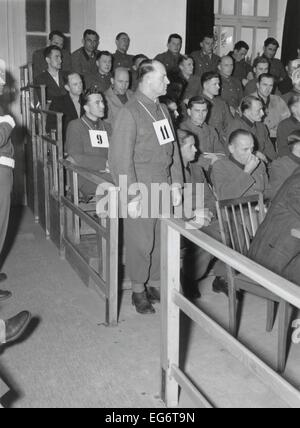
pixel 248 122
pixel 144 99
pixel 93 124
pixel 294 158
pixel 237 163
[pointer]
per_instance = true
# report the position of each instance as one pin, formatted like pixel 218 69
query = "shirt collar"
pixel 144 99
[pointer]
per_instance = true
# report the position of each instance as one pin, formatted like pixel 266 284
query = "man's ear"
pixel 67 88
pixel 47 60
pixel 230 148
pixel 189 112
pixel 85 108
pixel 112 81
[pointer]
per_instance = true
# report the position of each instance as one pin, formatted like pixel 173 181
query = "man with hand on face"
pixel 69 104
pixel 275 108
pixel 261 66
pixel 118 94
pixel 287 126
pixel 251 120
pixel 205 59
pixel 206 137
pixel 144 150
pixel 242 173
pixel 84 59
pixel 88 139
pixel 171 58
pixel 101 79
pixel 242 70
pixel 53 78
pixel 231 87
pixel 121 58
pixel 286 85
pixel 296 87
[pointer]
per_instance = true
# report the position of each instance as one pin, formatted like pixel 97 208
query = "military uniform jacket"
pixel 230 181
pixel 122 60
pixel 204 63
pixel 260 133
pixel 82 63
pixel 79 147
pixel 287 97
pixel 6 147
pixel 135 150
pixel 52 89
pixel 232 91
pixel 169 60
pixel 219 116
pixel 280 170
pixel 103 81
pixel 285 128
pixel 273 246
pixel 277 69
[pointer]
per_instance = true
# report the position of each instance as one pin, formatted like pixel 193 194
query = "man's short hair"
pixel 271 41
pixel 197 100
pixel 121 34
pixel 234 136
pixel 174 36
pixel 137 57
pixel 183 135
pixel 56 33
pixel 294 138
pixel 185 58
pixel 94 90
pixel 207 36
pixel 295 99
pixel 145 68
pixel 206 77
pixel 48 50
pixel 247 103
pixel 266 76
pixel 260 60
pixel 241 45
pixel 103 53
pixel 69 74
pixel 89 32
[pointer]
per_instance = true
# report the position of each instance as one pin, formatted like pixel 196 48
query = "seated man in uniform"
pixel 171 58
pixel 276 110
pixel 242 69
pixel 260 66
pixel 231 87
pixel 242 173
pixel 118 94
pixel 53 77
pixel 39 64
pixel 219 116
pixel 87 139
pixel 277 69
pixel 69 104
pixel 207 139
pixel 102 78
pixel 273 246
pixel 252 114
pixel 288 126
pixel 84 58
pixel 121 58
pixel 282 168
pixel 205 59
pixel 286 85
pixel 181 79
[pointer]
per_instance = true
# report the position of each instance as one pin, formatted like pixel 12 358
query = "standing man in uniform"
pixel 231 87
pixel 277 69
pixel 140 152
pixel 102 78
pixel 171 58
pixel 84 59
pixel 242 70
pixel 261 66
pixel 205 59
pixel 121 58
pixel 118 94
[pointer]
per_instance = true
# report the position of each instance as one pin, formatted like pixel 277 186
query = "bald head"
pixel 226 66
pixel 120 81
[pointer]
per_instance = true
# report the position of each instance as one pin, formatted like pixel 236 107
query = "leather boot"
pixel 153 295
pixel 142 304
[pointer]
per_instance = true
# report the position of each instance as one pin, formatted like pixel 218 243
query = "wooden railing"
pixel 173 302
pixel 90 239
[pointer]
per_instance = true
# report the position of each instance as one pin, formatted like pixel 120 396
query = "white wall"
pixel 148 22
pixel 82 16
pixel 280 22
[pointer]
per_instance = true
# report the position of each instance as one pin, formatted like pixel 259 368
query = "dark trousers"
pixel 6 182
pixel 142 243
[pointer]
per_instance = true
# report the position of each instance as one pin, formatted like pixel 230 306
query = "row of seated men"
pixel 235 155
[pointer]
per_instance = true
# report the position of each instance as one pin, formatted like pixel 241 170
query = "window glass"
pixel 217 5
pixel 34 43
pixel 248 7
pixel 36 15
pixel 261 35
pixel 60 15
pixel 263 7
pixel 226 40
pixel 247 36
pixel 228 7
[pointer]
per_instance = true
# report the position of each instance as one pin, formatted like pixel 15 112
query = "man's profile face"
pixel 57 41
pixel 226 66
pixel 240 55
pixel 121 82
pixel 293 66
pixel 265 87
pixel 95 106
pixel 104 64
pixel 189 150
pixel 256 111
pixel 212 87
pixel 207 45
pixel 158 80
pixel 175 46
pixel 187 67
pixel 123 43
pixel 91 43
pixel 54 60
pixel 75 85
pixel 242 148
pixel 198 114
pixel 261 68
pixel 270 51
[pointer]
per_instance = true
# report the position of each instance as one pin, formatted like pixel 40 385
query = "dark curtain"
pixel 291 35
pixel 200 21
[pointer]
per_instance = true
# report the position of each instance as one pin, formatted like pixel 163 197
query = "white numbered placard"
pixel 164 132
pixel 99 139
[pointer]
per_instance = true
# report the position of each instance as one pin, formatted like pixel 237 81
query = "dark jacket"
pixel 39 64
pixel 273 246
pixel 52 89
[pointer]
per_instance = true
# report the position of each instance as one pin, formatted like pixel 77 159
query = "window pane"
pixel 228 7
pixel 36 15
pixel 60 15
pixel 261 35
pixel 34 43
pixel 248 7
pixel 226 40
pixel 247 36
pixel 263 7
pixel 217 5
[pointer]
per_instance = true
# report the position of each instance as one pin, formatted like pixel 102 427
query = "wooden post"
pixel 170 314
